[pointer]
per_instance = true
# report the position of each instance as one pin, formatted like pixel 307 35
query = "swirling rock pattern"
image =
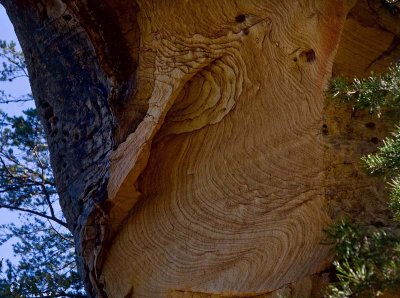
pixel 192 148
pixel 223 178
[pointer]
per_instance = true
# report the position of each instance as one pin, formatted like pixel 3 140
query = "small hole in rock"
pixel 375 140
pixel 246 31
pixel 66 133
pixel 378 224
pixel 240 18
pixel 308 55
pixel 370 125
pixel 295 59
pixel 67 17
pixel 45 105
pixel 324 126
pixel 48 113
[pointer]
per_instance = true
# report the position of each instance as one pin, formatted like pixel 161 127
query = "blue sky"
pixel 18 87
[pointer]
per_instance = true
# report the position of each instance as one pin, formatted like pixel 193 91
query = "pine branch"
pixel 43 215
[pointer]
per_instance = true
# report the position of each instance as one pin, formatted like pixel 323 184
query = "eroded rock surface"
pixel 228 163
pixel 194 150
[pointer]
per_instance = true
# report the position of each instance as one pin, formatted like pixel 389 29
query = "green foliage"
pixel 45 247
pixel 386 162
pixel 47 268
pixel 13 65
pixel 45 265
pixel 373 93
pixel 25 172
pixel 367 261
pixel 394 198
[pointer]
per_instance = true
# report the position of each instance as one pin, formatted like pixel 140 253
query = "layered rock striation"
pixel 193 147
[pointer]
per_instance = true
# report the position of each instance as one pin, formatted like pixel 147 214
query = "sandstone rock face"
pixel 370 40
pixel 210 161
pixel 228 162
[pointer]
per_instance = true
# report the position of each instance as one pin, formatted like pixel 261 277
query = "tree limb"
pixel 55 219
